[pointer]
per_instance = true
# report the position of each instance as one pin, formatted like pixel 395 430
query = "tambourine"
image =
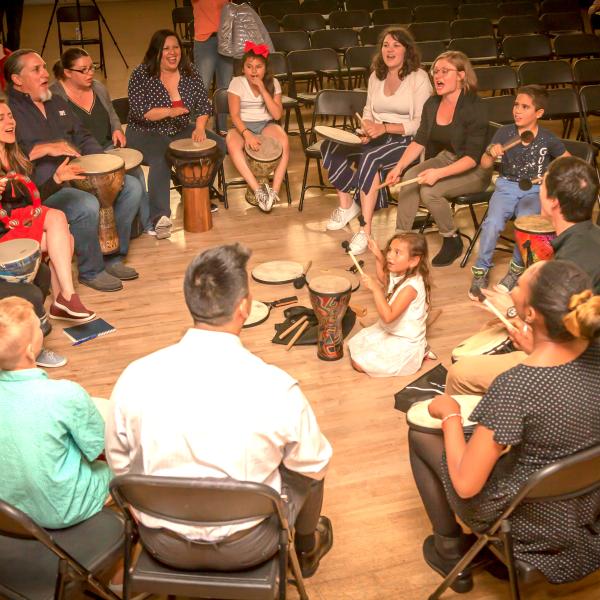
pixel 34 196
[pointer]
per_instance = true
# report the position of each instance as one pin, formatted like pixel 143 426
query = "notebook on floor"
pixel 79 334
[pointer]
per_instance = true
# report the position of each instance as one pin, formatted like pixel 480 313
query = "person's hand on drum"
pixel 429 176
pixel 373 130
pixel 442 406
pixel 199 134
pixel 61 148
pixel 521 335
pixel 251 140
pixel 67 172
pixel 118 139
pixel 177 111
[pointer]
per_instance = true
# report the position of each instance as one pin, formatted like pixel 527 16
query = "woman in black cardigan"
pixel 453 135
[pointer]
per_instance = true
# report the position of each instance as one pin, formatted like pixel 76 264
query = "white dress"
pixel 396 348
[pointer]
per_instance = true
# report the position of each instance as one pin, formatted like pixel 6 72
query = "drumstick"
pixel 297 335
pixel 481 296
pixel 358 267
pixel 398 185
pixel 292 327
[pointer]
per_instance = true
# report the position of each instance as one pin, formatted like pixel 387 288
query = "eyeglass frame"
pixel 85 70
pixel 443 70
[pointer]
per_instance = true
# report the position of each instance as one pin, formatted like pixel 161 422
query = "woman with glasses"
pixel 91 103
pixel 453 136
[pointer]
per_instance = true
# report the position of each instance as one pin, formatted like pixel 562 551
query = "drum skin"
pixel 338 136
pixel 105 177
pixel 276 272
pixel 419 419
pixel 493 340
pixel 533 235
pixel 329 296
pixel 19 260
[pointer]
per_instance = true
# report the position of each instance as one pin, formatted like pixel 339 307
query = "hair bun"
pixel 579 299
pixel 583 321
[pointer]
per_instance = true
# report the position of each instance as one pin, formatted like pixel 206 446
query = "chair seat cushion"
pixel 30 568
pixel 288 102
pixel 258 583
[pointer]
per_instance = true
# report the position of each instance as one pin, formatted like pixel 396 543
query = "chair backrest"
pixel 312 60
pixel 392 16
pixel 182 14
pixel 500 108
pixel 339 103
pixel 430 50
pixel 369 36
pixel 323 7
pixel 360 56
pixel 526 47
pixel 435 12
pixel 279 8
pixel 487 10
pixel 72 14
pixel 270 22
pixel 368 5
pixel 436 30
pixel 586 70
pixel 286 41
pixel 465 28
pixel 545 72
pixel 575 45
pixel 340 19
pixel 562 103
pixel 220 102
pixel 548 6
pixel 582 150
pixel 121 106
pixel 563 21
pixel 277 63
pixel 193 501
pixel 517 8
pixel 500 77
pixel 303 22
pixel 334 38
pixel 518 25
pixel 482 48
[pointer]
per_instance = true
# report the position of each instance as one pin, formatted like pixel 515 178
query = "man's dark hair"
pixel 155 50
pixel 537 93
pixel 574 184
pixel 215 281
pixel 14 63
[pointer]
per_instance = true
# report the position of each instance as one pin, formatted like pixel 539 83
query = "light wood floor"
pixel 378 519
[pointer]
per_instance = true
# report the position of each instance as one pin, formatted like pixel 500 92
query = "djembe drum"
pixel 493 340
pixel 195 164
pixel 533 235
pixel 262 162
pixel 329 296
pixel 105 177
pixel 131 157
pixel 19 260
pixel 419 419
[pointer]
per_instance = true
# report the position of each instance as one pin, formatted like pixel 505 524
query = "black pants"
pixel 35 292
pixel 14 16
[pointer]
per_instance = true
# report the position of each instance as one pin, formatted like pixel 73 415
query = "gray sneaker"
pixel 508 282
pixel 163 228
pixel 480 281
pixel 263 197
pixel 50 360
pixel 121 271
pixel 103 282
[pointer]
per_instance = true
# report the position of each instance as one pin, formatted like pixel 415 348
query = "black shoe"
pixel 452 248
pixel 309 561
pixel 463 583
pixel 214 207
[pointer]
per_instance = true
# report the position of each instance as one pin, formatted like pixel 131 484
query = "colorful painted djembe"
pixel 329 296
pixel 533 235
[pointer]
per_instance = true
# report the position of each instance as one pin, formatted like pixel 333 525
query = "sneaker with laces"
pixel 480 281
pixel 274 196
pixel 70 310
pixel 50 360
pixel 508 282
pixel 263 197
pixel 340 217
pixel 359 242
pixel 163 228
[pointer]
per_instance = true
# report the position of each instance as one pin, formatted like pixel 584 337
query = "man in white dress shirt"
pixel 207 407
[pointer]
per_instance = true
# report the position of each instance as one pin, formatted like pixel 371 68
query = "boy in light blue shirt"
pixel 50 434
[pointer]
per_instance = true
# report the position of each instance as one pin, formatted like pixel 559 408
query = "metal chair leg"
pixel 286 180
pixel 296 572
pixel 507 541
pixel 303 191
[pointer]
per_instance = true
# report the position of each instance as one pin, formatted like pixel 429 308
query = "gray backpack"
pixel 239 24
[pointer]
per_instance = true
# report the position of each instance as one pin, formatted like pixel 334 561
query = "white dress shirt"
pixel 207 407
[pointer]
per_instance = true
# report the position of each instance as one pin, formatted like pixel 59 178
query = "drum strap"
pixel 34 195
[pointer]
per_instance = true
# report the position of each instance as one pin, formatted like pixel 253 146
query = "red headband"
pixel 259 49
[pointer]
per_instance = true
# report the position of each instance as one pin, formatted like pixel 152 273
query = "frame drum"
pixel 259 313
pixel 262 162
pixel 533 234
pixel 339 136
pixel 277 271
pixel 19 260
pixel 493 340
pixel 131 157
pixel 105 177
pixel 419 419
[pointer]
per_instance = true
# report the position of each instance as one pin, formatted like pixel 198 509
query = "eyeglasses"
pixel 85 70
pixel 444 71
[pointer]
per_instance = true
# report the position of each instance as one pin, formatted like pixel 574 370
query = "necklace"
pixel 34 195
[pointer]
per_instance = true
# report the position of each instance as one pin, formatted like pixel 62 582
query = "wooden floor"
pixel 377 515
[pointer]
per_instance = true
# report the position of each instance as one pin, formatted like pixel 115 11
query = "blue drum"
pixel 19 260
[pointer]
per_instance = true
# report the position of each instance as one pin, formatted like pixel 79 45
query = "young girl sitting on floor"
pixel 396 344
pixel 255 106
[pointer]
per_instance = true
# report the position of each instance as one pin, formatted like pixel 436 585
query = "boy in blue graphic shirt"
pixel 522 162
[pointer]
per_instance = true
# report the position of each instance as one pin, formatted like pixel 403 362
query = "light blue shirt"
pixel 50 434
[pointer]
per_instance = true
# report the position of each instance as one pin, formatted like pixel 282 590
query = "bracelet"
pixel 450 416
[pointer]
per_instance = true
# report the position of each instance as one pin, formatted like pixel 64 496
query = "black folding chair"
pixel 590 104
pixel 480 50
pixel 554 23
pixel 209 503
pixel 287 41
pixel 430 50
pixel 392 16
pixel 368 5
pixel 517 8
pixel 500 108
pixel 487 10
pixel 519 48
pixel 519 25
pixel 358 61
pixel 183 24
pixel 548 6
pixel 43 564
pixel 313 67
pixel 435 30
pixel 586 71
pixel 328 103
pixel 468 28
pixel 499 78
pixel 303 22
pixel 342 19
pixel 563 104
pixel 576 45
pixel 572 477
pixel 270 22
pixel 279 8
pixel 339 39
pixel 545 72
pixel 369 36
pixel 121 106
pixel 436 12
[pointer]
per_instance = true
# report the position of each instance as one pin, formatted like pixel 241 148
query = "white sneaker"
pixel 264 199
pixel 274 196
pixel 359 242
pixel 163 228
pixel 340 217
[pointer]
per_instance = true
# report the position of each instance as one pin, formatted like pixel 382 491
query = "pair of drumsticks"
pixel 301 324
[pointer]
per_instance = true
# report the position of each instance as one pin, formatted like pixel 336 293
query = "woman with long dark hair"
pixel 398 88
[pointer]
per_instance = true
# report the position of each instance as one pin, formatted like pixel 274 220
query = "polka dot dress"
pixel 146 92
pixel 545 414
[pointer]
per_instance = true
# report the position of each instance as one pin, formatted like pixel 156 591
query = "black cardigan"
pixel 471 120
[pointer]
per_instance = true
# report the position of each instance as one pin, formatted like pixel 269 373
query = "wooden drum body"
pixel 19 260
pixel 533 235
pixel 329 296
pixel 195 164
pixel 105 177
pixel 262 162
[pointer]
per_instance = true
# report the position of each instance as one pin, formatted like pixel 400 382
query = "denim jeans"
pixel 207 61
pixel 81 210
pixel 507 201
pixel 154 146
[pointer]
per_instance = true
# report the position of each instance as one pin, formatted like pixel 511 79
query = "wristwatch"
pixel 511 312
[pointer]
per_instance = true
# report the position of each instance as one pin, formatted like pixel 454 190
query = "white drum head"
pixel 534 224
pixel 418 415
pixel 13 250
pixel 351 277
pixel 269 150
pixel 19 260
pixel 329 284
pixel 99 164
pixel 131 157
pixel 277 271
pixel 258 314
pixel 189 145
pixel 340 136
pixel 483 342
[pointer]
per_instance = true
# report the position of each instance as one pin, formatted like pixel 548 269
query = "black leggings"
pixel 425 451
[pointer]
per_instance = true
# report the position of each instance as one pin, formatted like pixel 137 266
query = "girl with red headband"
pixel 255 106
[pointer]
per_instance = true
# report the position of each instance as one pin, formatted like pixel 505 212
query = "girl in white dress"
pixel 396 344
pixel 255 107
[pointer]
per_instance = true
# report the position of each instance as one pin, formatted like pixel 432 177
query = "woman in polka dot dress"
pixel 538 412
pixel 167 101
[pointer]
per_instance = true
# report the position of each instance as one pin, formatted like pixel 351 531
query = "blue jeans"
pixel 507 201
pixel 208 61
pixel 81 210
pixel 154 146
